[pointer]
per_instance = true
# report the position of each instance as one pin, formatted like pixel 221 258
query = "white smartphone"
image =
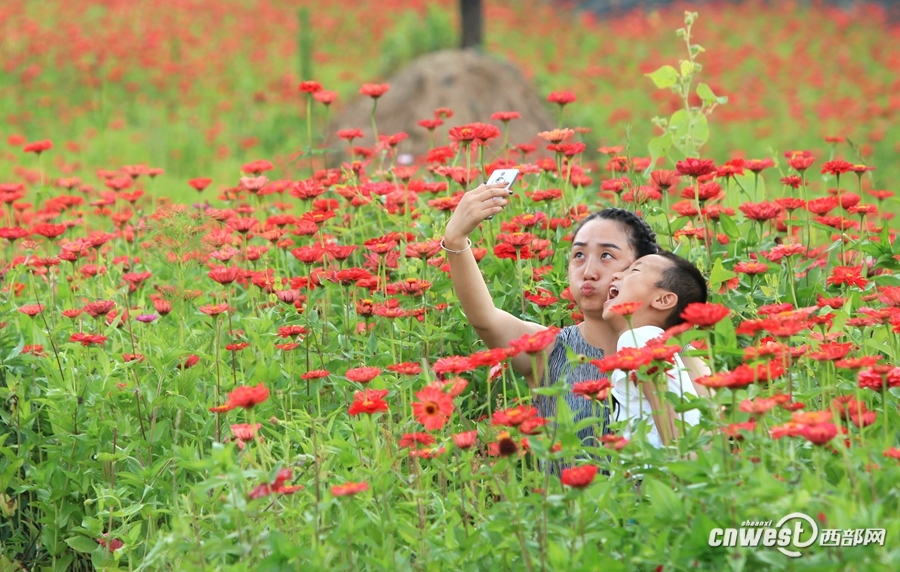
pixel 507 176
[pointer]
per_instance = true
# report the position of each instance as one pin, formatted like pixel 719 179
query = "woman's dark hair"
pixel 682 278
pixel 641 237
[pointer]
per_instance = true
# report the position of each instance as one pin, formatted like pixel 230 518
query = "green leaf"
pixel 707 95
pixel 684 125
pixel 663 500
pixel 729 226
pixel 658 147
pixel 725 335
pixel 82 544
pixel 664 77
pixel 719 274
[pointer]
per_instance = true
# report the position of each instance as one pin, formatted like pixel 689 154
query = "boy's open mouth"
pixel 613 292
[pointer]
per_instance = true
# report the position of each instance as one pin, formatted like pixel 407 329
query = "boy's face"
pixel 638 283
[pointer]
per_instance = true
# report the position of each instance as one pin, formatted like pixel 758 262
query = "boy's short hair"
pixel 685 281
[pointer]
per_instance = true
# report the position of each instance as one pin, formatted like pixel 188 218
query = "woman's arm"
pixel 494 326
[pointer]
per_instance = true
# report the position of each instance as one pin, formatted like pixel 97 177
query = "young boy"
pixel 663 284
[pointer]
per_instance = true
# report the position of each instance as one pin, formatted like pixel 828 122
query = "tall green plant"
pixel 687 130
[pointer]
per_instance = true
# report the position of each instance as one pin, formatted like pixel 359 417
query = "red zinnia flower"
pixel 410 440
pixel 363 374
pixel 819 434
pixel 466 439
pixel 836 167
pixel 309 86
pixel 751 268
pixel 370 402
pixel 615 442
pixel 38 147
pixel 760 211
pixel 704 315
pixel 693 167
pixel 578 477
pixel 315 374
pixel 831 351
pixel 348 489
pixel 248 397
pixel 87 339
pixel 849 275
pixel 801 162
pixel 594 389
pixel 374 90
pixel 244 431
pixel 758 406
pixel 200 183
pixel 214 309
pixel 535 343
pixel 561 97
pixel 626 309
pixel 31 310
pixel 406 368
pixel 453 364
pixel 514 416
pixel 434 408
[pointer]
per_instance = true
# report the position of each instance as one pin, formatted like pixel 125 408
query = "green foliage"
pixel 415 35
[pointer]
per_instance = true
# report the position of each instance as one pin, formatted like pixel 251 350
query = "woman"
pixel 604 243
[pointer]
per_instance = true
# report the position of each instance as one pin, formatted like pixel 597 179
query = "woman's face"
pixel 599 250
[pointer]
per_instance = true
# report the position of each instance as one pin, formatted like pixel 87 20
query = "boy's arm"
pixel 697 367
pixel 663 412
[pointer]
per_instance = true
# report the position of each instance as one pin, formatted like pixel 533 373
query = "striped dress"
pixel 558 368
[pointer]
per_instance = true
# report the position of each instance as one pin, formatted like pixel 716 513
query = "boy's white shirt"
pixel 633 406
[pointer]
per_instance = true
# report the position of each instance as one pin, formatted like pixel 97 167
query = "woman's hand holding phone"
pixel 476 205
pixel 503 176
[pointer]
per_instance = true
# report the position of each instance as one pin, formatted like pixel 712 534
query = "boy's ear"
pixel 664 301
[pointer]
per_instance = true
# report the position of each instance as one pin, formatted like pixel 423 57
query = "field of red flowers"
pixel 282 376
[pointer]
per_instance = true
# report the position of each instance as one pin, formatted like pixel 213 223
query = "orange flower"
pixel 349 489
pixel 433 409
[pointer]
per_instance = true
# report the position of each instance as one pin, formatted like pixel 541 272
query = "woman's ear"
pixel 664 301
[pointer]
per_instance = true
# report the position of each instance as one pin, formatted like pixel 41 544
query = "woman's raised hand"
pixel 475 206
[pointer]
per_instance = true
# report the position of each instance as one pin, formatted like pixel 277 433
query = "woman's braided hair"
pixel 641 237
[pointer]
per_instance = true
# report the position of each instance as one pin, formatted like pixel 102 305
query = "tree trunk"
pixel 471 18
